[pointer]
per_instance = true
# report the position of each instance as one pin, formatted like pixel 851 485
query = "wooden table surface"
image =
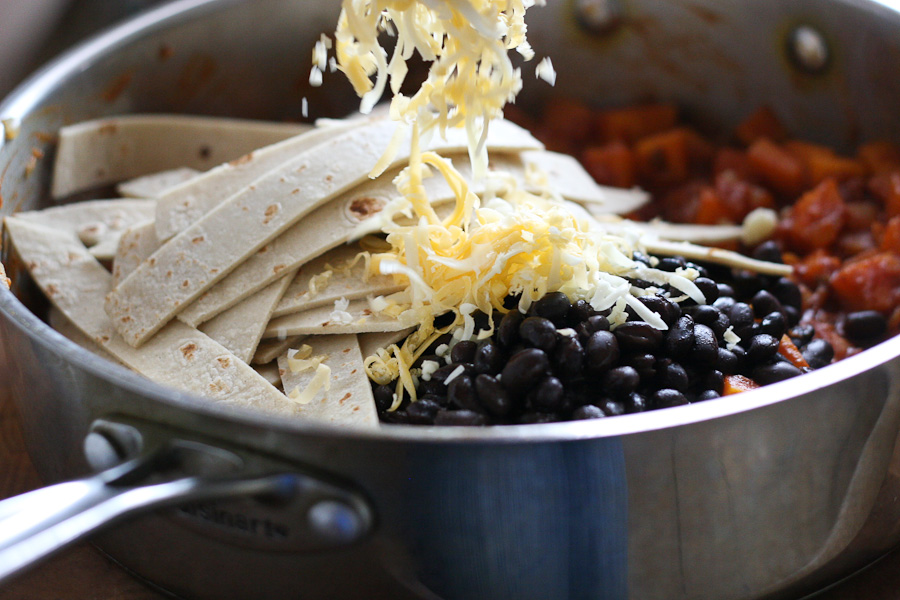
pixel 83 573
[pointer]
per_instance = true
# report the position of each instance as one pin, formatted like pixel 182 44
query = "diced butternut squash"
pixel 872 283
pixel 735 384
pixel 668 157
pixel 780 169
pixel 880 156
pixel 816 268
pixel 816 219
pixel 763 123
pixel 611 164
pixel 886 187
pixel 821 162
pixel 739 196
pixel 635 122
pixel 789 350
pixel 890 236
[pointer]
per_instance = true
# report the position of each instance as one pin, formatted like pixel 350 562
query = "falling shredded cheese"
pixel 321 381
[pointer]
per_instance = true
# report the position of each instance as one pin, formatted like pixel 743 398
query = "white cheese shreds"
pixel 321 381
pixel 544 70
pixel 467 42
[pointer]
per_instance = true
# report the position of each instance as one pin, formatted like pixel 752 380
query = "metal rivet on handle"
pixel 109 444
pixel 336 521
pixel 599 16
pixel 808 49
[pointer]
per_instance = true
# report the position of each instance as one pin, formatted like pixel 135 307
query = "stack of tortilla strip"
pixel 214 271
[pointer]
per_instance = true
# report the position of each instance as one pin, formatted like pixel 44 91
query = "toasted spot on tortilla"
pixel 224 361
pixel 188 350
pixel 199 239
pixel 205 152
pixel 346 397
pixel 52 290
pixel 365 207
pixel 108 129
pixel 241 160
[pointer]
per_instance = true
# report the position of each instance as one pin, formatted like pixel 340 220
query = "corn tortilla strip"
pixel 325 228
pixel 715 255
pixel 271 349
pixel 564 174
pixel 106 151
pixel 685 232
pixel 369 343
pixel 241 327
pixel 135 245
pixel 322 321
pixel 63 325
pixel 184 205
pixel 97 223
pixel 270 372
pixel 343 282
pixel 155 184
pixel 349 401
pixel 179 356
pixel 194 260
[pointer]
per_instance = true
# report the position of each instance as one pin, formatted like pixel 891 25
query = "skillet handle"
pixel 35 525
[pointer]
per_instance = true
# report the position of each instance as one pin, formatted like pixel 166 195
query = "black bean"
pixel 592 324
pixel 588 411
pixel 460 417
pixel 638 336
pixel 792 314
pixel 725 303
pixel 671 263
pixel 524 370
pixel 538 332
pixel 620 381
pixel 398 416
pixel 708 395
pixel 711 317
pixel 727 361
pixel 762 348
pixel 443 373
pixel 612 408
pixel 864 325
pixel 493 396
pixel 701 270
pixel 746 283
pixel 788 293
pixel 600 352
pixel 553 306
pixel 508 330
pixel 644 364
pixel 581 311
pixel 672 375
pixel 640 257
pixel 764 303
pixel 747 332
pixel 547 396
pixel 635 403
pixel 714 380
pixel 657 304
pixel 568 358
pixel 801 334
pixel 725 290
pixel 384 397
pixel 423 411
pixel 536 418
pixel 489 359
pixel 818 353
pixel 741 354
pixel 463 352
pixel 709 288
pixel 741 315
pixel 706 348
pixel 433 387
pixel 461 393
pixel 680 337
pixel 774 372
pixel 667 398
pixel 768 251
pixel 774 323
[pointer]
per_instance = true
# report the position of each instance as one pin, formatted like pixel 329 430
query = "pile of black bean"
pixel 562 360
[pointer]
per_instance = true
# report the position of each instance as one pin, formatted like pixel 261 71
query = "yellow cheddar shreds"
pixel 466 42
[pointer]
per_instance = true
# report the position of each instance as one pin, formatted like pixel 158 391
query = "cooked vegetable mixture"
pixel 838 227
